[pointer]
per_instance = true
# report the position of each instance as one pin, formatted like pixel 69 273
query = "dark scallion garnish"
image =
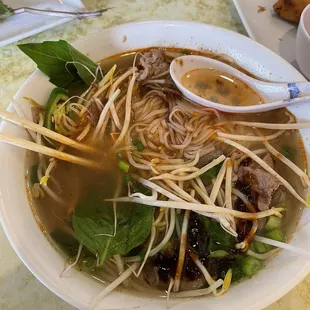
pixel 138 144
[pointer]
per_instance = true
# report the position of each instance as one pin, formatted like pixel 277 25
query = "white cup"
pixel 303 42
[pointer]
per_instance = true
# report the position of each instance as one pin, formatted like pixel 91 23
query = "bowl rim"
pixel 25 257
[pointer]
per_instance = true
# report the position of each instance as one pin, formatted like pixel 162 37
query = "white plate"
pixel 17 27
pixel 280 274
pixel 268 28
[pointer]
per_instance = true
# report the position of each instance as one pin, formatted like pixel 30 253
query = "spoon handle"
pixel 297 90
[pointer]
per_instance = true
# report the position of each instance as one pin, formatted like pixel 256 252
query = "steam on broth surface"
pixel 165 156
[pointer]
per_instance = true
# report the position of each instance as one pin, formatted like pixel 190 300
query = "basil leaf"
pixel 211 173
pixel 93 222
pixel 219 238
pixel 61 62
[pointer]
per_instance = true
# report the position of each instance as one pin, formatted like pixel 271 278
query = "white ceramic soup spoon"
pixel 274 95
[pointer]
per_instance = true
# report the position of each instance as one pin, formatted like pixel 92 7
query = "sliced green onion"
pixel 123 165
pixel 273 223
pixel 275 234
pixel 250 266
pixel 260 247
pixel 138 144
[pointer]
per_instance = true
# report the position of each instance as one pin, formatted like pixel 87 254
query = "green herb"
pixel 250 266
pixel 33 174
pixel 93 222
pixel 123 165
pixel 57 96
pixel 211 173
pixel 288 151
pixel 219 238
pixel 138 144
pixel 61 62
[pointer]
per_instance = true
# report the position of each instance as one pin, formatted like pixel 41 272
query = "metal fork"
pixel 79 15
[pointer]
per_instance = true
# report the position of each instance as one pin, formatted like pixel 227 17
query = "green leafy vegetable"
pixel 61 62
pixel 93 222
pixel 211 173
pixel 288 151
pixel 138 144
pixel 219 238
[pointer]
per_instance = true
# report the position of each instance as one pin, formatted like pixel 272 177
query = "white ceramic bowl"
pixel 280 275
pixel 303 42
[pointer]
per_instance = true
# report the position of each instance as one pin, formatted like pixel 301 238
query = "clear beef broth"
pixel 72 182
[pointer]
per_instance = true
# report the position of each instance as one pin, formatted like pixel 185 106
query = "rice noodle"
pixel 192 175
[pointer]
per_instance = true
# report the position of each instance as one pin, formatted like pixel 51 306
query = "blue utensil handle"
pixel 297 90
